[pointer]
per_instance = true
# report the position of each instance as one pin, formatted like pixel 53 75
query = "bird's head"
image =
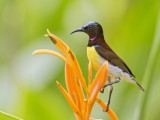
pixel 93 29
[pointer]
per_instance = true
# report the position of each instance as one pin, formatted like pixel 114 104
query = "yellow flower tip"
pixel 58 83
pixel 35 52
pixel 40 51
pixel 48 30
pixel 46 35
pixel 51 38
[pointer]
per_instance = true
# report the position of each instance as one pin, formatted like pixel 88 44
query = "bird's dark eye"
pixel 90 27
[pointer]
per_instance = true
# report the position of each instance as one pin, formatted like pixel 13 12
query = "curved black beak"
pixel 77 30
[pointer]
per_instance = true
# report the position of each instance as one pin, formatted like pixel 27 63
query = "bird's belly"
pixel 113 71
pixel 97 60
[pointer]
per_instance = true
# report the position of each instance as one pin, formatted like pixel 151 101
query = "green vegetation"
pixel 5 116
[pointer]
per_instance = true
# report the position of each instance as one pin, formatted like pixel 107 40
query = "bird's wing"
pixel 107 53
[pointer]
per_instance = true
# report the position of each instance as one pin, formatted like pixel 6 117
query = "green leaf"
pixel 142 104
pixel 5 116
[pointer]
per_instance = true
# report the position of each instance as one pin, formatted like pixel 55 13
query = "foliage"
pixel 5 116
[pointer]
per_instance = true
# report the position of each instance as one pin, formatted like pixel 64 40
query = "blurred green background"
pixel 27 83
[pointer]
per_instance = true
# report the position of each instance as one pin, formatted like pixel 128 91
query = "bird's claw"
pixel 107 108
pixel 102 91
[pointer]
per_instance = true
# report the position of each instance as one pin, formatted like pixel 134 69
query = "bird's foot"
pixel 102 91
pixel 107 108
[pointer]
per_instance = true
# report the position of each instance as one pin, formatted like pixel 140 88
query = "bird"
pixel 98 51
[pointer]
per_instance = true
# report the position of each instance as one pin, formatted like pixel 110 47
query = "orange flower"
pixel 74 79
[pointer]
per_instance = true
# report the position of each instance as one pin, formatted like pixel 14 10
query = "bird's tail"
pixel 138 85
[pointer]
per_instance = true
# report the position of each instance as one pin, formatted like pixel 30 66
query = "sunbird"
pixel 98 51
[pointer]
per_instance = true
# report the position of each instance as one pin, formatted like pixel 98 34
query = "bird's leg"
pixel 110 88
pixel 116 81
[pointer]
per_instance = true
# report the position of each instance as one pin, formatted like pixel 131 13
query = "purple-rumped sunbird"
pixel 98 51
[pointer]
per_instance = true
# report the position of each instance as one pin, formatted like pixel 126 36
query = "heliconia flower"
pixel 74 80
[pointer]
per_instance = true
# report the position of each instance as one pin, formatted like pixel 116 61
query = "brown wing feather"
pixel 106 52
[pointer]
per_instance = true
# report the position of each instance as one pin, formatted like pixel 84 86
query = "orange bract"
pixel 74 79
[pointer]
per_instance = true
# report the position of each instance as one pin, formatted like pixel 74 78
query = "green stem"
pixel 149 71
pixel 6 116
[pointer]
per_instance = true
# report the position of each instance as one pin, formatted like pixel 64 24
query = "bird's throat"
pixel 93 38
pixel 92 41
